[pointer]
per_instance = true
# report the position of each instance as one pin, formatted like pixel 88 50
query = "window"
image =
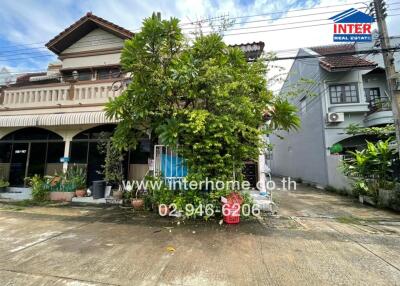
pixel 303 105
pixel 343 93
pixel 108 73
pixel 373 94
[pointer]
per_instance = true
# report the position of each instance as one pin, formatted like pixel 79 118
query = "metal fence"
pixel 168 164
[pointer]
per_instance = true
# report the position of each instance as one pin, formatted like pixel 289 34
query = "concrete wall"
pixel 301 154
pixel 336 178
pixel 137 171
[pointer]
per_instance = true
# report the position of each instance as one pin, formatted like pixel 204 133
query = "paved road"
pixel 317 239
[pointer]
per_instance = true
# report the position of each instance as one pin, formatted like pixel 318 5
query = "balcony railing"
pixel 59 94
pixel 379 104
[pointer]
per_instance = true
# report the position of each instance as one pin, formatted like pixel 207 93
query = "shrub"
pixel 40 187
pixel 4 183
pixel 371 168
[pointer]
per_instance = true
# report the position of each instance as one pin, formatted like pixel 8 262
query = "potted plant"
pixel 40 187
pixel 371 169
pixel 3 185
pixel 79 180
pixel 136 202
pixel 60 188
pixel 113 170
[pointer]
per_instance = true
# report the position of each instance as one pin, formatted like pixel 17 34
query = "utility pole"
pixel 392 81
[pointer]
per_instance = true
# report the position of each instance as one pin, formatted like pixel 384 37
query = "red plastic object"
pixel 231 210
pixel 233 216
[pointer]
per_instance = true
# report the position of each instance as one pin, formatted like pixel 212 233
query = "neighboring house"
pixel 55 116
pixel 345 89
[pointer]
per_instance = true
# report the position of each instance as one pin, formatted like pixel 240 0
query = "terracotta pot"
pixel 137 204
pixel 62 196
pixel 80 193
pixel 117 194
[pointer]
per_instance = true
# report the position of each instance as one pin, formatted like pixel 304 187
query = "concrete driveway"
pixel 318 239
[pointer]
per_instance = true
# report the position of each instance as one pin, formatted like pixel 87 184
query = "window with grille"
pixel 373 94
pixel 343 93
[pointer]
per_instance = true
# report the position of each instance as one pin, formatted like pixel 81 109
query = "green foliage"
pixel 371 168
pixel 204 98
pixel 75 176
pixel 4 183
pixel 284 115
pixel 113 169
pixel 40 187
pixel 381 132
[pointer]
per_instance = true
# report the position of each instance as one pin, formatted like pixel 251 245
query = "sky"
pixel 25 26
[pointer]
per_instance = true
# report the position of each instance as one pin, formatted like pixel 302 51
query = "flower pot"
pixel 137 204
pixel 117 195
pixel 80 193
pixel 62 196
pixel 99 188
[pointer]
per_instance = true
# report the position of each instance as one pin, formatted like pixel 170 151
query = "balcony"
pixel 59 95
pixel 380 112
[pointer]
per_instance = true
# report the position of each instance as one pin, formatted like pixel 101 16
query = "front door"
pixel 37 159
pixel 18 163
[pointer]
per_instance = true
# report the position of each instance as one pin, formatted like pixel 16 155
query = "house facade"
pixel 339 91
pixel 51 119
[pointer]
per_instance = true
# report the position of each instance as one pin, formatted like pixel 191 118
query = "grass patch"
pixel 348 220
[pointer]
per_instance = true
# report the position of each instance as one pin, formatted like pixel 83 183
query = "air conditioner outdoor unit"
pixel 334 117
pixel 393 145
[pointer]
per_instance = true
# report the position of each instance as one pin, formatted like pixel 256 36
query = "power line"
pixel 37 55
pixel 249 16
pixel 112 40
pixel 369 51
pixel 255 15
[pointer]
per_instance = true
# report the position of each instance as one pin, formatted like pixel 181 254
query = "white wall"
pixel 95 40
pixel 89 61
pixel 336 177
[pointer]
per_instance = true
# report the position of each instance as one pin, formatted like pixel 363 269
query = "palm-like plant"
pixel 284 116
pixel 372 167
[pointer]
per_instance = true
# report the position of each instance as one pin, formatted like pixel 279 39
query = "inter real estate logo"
pixel 352 26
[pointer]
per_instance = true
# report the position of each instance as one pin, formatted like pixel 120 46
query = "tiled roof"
pixel 251 50
pixel 83 26
pixel 340 62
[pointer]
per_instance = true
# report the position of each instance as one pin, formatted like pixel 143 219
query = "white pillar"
pixel 66 153
pixel 262 170
pixel 261 174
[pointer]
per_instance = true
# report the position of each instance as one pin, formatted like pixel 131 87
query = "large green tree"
pixel 202 96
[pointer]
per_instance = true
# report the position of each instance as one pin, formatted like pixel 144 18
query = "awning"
pixel 58 119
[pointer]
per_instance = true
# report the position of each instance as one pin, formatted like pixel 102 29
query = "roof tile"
pixel 335 61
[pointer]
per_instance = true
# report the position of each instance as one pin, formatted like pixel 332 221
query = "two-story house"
pixel 51 119
pixel 341 90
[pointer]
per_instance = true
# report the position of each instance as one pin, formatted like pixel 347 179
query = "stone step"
pixel 17 194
